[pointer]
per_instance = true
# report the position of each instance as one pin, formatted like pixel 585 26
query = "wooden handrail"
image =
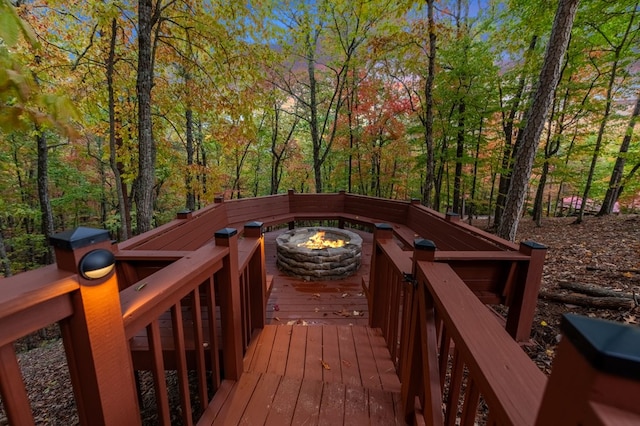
pixel 146 300
pixel 510 383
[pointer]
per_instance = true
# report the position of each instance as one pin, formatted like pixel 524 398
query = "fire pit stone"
pixel 319 253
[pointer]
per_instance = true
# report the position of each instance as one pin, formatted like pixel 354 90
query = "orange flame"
pixel 318 242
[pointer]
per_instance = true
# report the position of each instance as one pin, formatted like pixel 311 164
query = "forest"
pixel 118 114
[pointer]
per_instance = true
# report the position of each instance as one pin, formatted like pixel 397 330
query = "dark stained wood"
pixel 284 402
pixel 480 340
pixel 12 388
pixel 325 378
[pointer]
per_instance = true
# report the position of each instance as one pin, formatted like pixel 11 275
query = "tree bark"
pixel 507 126
pixel 607 111
pixel 592 302
pixel 613 192
pixel 4 259
pixel 429 179
pixel 536 117
pixel 146 145
pixel 43 192
pixel 123 232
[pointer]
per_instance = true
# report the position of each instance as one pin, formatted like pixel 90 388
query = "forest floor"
pixel 604 252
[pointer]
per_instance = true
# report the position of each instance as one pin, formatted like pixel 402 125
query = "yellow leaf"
pixel 543 323
pixel 325 365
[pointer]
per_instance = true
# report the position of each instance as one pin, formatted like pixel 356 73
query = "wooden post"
pixel 257 276
pixel 94 338
pixel 595 378
pixel 343 195
pixel 230 305
pixel 523 302
pixel 410 343
pixel 218 199
pixel 184 214
pixel 381 231
pixel 452 217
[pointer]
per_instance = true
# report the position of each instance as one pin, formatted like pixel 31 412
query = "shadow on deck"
pixel 317 362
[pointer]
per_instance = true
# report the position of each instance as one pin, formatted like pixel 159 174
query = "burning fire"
pixel 318 242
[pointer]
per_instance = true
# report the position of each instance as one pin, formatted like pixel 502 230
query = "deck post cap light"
pixel 97 264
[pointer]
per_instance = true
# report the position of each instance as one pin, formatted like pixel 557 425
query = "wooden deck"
pixel 316 362
pixel 341 302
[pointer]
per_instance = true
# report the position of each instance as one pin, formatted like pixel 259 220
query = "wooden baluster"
pixel 595 379
pixel 258 275
pixel 230 309
pixel 525 297
pixel 12 388
pixel 94 339
pixel 377 302
pixel 413 368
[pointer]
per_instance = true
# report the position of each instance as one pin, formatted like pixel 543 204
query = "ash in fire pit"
pixel 319 253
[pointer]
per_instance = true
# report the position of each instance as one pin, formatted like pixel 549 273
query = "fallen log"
pixel 601 269
pixel 594 290
pixel 589 302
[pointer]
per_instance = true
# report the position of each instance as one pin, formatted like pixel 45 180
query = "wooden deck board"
pixel 348 357
pixel 284 402
pixel 332 404
pixel 316 361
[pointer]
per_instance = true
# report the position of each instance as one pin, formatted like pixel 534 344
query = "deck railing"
pixel 459 365
pixel 210 299
pixel 198 279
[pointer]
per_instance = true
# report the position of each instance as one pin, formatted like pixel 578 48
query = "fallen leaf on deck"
pixel 325 365
pixel 345 294
pixel 358 313
pixel 316 295
pixel 346 363
pixel 317 310
pixel 343 313
pixel 276 318
pixel 297 322
pixel 276 307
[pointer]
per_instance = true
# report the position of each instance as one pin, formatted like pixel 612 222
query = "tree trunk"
pixel 43 192
pixel 191 196
pixel 125 226
pixel 607 113
pixel 6 264
pixel 429 179
pixel 508 124
pixel 316 137
pixel 536 117
pixel 146 145
pixel 613 192
pixel 457 181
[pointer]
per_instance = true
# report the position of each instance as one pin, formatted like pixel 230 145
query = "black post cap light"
pixel 97 264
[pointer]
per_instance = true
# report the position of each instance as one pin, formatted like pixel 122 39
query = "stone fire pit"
pixel 308 254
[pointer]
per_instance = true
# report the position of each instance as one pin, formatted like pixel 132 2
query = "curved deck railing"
pixel 195 271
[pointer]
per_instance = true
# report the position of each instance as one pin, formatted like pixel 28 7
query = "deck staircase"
pixel 311 375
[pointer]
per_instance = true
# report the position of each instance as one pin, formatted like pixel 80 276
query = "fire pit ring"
pixel 320 261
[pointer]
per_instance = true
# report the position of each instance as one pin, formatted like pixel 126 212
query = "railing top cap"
pixel 78 237
pixel 609 346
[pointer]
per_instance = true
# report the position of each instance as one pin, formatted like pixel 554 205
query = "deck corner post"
pixel 184 214
pixel 218 199
pixel 596 373
pixel 381 231
pixel 258 276
pixel 452 217
pixel 94 337
pixel 230 304
pixel 525 297
pixel 423 249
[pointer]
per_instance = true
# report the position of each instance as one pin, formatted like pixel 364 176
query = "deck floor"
pixel 316 362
